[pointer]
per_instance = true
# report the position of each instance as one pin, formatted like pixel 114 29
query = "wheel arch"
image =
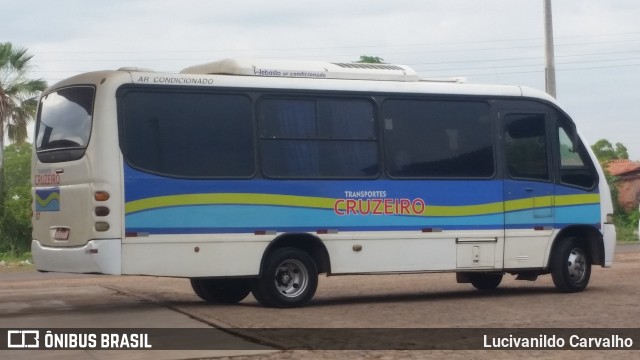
pixel 586 234
pixel 309 243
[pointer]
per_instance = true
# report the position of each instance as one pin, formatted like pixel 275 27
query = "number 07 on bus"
pixel 255 176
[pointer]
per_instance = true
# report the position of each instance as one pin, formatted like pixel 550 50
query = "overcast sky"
pixel 597 42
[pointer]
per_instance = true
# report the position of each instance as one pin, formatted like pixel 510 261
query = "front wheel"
pixel 221 291
pixel 289 279
pixel 570 266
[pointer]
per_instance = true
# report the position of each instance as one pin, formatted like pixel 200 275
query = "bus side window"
pixel 526 146
pixel 438 139
pixel 575 167
pixel 315 138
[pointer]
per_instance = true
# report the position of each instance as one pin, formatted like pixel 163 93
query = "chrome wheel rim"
pixel 292 278
pixel 577 265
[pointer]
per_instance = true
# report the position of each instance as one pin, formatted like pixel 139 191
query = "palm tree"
pixel 367 59
pixel 18 99
pixel 18 95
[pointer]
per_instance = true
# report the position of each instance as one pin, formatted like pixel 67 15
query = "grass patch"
pixel 11 257
pixel 626 225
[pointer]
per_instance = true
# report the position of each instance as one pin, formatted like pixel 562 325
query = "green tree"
pixel 621 151
pixel 626 222
pixel 18 96
pixel 18 102
pixel 605 151
pixel 371 59
pixel 15 223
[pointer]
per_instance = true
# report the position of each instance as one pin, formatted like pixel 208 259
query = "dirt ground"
pixel 403 301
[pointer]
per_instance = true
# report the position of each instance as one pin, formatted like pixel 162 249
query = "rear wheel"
pixel 485 281
pixel 289 279
pixel 221 291
pixel 570 266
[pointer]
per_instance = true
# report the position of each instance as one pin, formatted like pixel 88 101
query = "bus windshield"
pixel 64 123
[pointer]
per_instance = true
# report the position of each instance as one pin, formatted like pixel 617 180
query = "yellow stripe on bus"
pixel 329 203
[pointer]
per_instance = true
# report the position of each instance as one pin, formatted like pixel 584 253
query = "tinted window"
pixel 569 155
pixel 64 124
pixel 526 146
pixel 576 167
pixel 187 134
pixel 318 138
pixel 438 139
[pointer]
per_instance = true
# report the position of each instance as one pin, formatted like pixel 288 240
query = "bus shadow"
pixel 426 296
pixel 423 296
pixel 463 294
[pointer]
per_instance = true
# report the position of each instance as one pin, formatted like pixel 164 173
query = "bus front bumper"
pixel 97 256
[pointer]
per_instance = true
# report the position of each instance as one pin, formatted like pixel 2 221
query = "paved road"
pixel 625 248
pixel 31 299
pixel 86 301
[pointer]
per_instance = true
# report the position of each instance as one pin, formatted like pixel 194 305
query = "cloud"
pixel 486 41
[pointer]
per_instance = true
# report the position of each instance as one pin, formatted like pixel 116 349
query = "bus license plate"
pixel 61 234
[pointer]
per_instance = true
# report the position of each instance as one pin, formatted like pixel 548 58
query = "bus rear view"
pixel 74 230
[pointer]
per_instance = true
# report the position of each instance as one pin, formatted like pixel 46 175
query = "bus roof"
pixel 288 74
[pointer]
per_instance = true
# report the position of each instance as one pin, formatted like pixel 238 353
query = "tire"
pixel 221 291
pixel 485 281
pixel 289 278
pixel 570 266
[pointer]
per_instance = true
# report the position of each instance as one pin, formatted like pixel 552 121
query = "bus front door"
pixel 529 201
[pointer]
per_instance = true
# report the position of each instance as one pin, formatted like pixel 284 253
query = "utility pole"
pixel 550 66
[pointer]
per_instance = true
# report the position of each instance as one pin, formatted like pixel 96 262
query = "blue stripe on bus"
pixel 265 216
pixel 154 205
pixel 248 218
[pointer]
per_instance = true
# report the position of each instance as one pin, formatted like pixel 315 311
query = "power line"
pixel 426 72
pixel 532 71
pixel 432 51
pixel 540 64
pixel 389 52
pixel 525 58
pixel 359 46
pixel 456 62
